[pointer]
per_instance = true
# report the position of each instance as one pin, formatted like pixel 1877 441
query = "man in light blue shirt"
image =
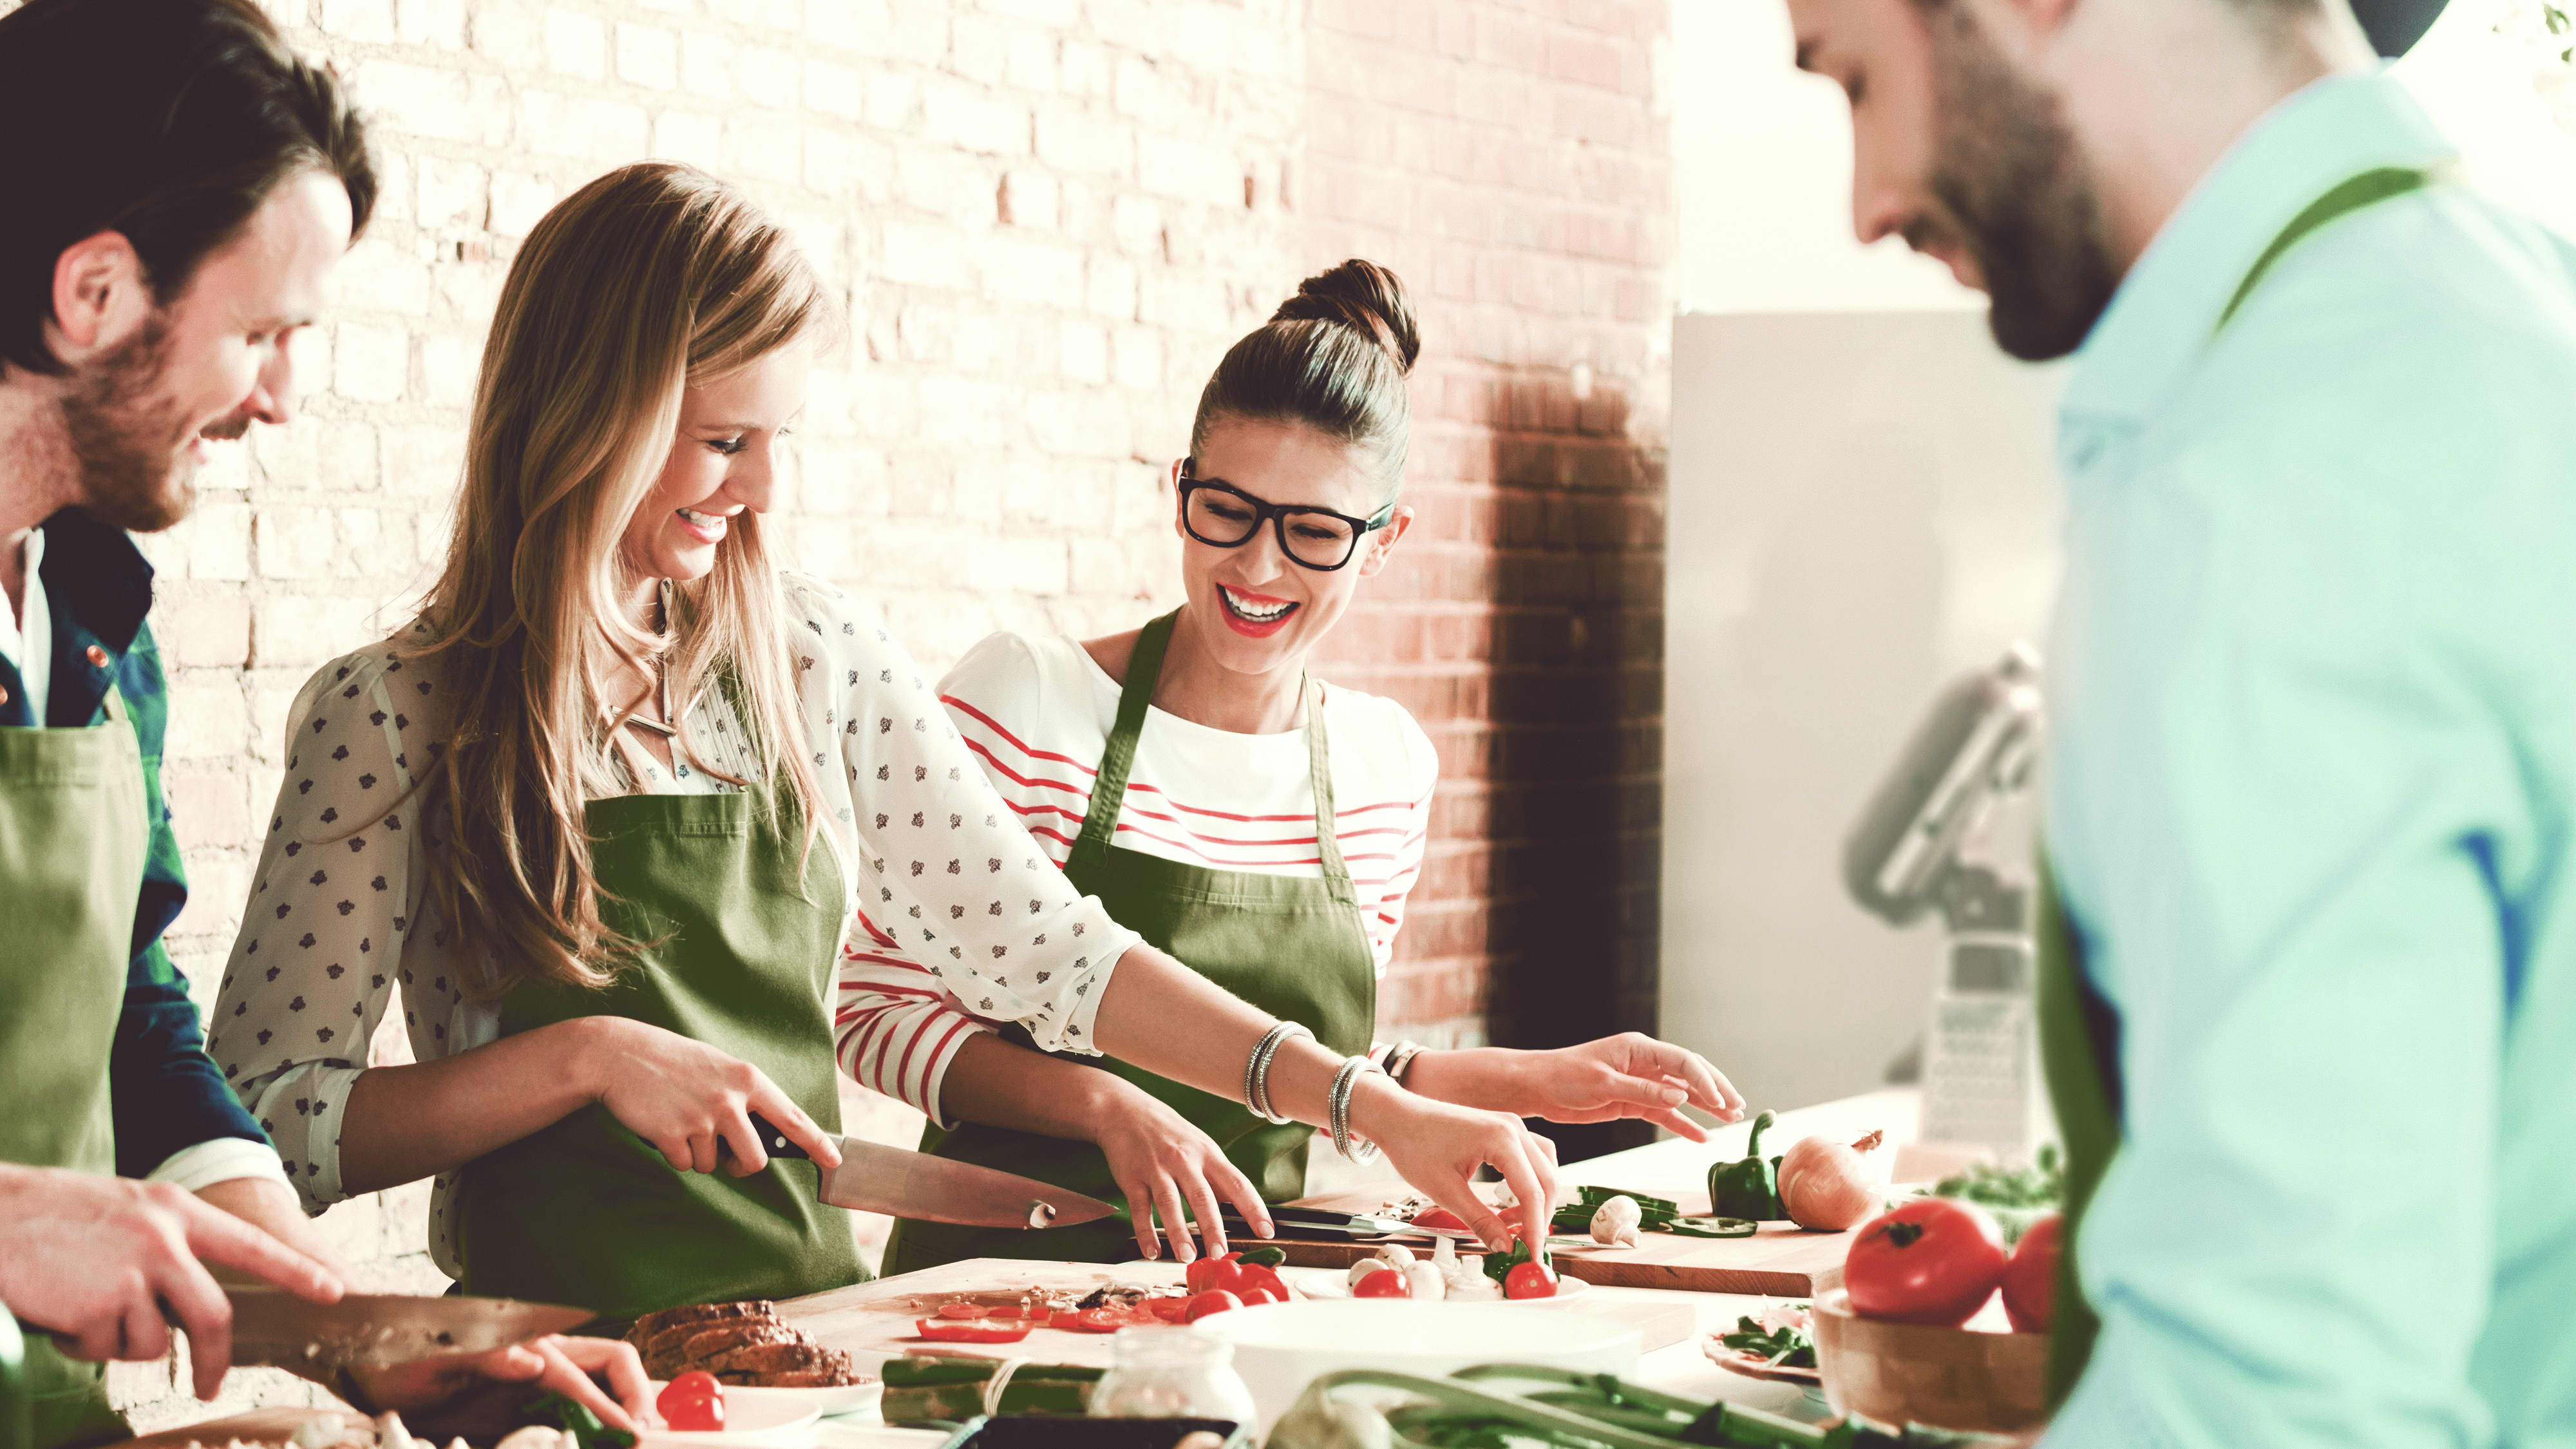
pixel 2314 697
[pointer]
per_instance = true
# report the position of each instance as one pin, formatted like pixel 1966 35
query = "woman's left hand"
pixel 1606 1080
pixel 476 1395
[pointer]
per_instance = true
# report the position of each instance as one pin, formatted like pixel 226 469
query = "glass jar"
pixel 1171 1373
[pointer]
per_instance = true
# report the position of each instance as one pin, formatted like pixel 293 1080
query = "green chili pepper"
pixel 1712 1227
pixel 1267 1257
pixel 584 1426
pixel 1749 1188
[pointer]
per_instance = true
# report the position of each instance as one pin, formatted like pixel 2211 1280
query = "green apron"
pixel 72 843
pixel 1294 947
pixel 740 949
pixel 2079 1029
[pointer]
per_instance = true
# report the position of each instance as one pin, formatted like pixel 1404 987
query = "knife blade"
pixel 277 1329
pixel 874 1178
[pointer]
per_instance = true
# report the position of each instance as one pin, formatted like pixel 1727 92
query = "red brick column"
pixel 1513 163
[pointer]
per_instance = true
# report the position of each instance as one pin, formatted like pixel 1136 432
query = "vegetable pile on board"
pixel 1211 1285
pixel 1654 1215
pixel 1783 1337
pixel 1938 1260
pixel 1527 1407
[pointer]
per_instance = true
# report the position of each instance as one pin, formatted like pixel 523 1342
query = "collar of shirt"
pixel 2168 306
pixel 27 641
pixel 98 587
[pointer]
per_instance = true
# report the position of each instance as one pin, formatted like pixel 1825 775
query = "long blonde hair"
pixel 651 278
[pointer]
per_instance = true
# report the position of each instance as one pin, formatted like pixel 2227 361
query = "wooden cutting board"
pixel 1781 1259
pixel 874 1321
pixel 258 1426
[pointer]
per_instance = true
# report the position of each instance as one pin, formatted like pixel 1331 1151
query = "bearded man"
pixel 176 188
pixel 2313 1004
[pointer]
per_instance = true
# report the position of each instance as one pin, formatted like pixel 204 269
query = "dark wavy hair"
pixel 1333 357
pixel 169 121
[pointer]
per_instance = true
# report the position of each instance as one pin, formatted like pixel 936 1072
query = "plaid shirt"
pixel 167 1095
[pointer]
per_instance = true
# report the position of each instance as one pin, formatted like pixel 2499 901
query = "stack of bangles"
pixel 1256 1090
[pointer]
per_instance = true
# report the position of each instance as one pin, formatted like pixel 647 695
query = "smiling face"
pixel 1251 608
pixel 722 464
pixel 138 413
pixel 1970 161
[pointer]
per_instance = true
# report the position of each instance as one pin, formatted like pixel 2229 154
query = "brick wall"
pixel 1048 218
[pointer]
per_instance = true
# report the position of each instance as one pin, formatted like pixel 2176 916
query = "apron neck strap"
pixel 2353 193
pixel 1118 761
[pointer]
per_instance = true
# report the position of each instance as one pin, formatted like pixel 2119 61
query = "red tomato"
pixel 1095 1320
pixel 1933 1260
pixel 1249 1276
pixel 970 1330
pixel 1384 1283
pixel 2030 1279
pixel 693 1402
pixel 1215 1300
pixel 1251 1296
pixel 1439 1219
pixel 1206 1275
pixel 1169 1310
pixel 1007 1310
pixel 1530 1280
pixel 965 1310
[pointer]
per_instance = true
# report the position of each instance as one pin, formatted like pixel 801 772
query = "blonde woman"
pixel 599 822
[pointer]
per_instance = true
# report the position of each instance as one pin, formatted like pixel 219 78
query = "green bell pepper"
pixel 1749 1188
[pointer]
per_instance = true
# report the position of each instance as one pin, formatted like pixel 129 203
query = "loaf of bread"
pixel 740 1343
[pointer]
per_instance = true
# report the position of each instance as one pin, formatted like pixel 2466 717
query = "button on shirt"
pixel 2314 755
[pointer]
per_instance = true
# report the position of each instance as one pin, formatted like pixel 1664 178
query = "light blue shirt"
pixel 2313 760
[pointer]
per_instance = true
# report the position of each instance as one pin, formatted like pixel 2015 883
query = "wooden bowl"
pixel 1950 1378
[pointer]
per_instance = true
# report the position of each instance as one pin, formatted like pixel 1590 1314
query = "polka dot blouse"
pixel 339 929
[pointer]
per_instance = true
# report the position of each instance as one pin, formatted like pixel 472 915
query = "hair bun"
pixel 1364 297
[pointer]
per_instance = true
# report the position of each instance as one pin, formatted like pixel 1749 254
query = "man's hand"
pixel 106 1263
pixel 480 1395
pixel 270 1205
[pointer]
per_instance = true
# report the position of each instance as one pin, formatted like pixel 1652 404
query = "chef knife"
pixel 873 1178
pixel 279 1329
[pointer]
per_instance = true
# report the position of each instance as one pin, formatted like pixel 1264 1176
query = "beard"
pixel 126 436
pixel 2013 178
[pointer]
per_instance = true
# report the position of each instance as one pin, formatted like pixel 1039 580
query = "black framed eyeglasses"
pixel 1221 515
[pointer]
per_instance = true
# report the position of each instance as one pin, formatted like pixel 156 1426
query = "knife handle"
pixel 775 1142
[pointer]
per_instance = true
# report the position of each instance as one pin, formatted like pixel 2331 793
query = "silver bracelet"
pixel 1256 1070
pixel 1399 1058
pixel 1338 1110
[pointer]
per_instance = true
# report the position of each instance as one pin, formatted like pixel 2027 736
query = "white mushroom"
pixel 333 1431
pixel 534 1436
pixel 1462 1279
pixel 390 1433
pixel 1425 1281
pixel 1614 1223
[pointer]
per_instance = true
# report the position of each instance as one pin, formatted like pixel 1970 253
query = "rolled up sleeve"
pixel 945 867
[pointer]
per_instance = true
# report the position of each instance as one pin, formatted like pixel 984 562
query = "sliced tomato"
pixel 1215 1300
pixel 1006 1311
pixel 1532 1279
pixel 1439 1219
pixel 963 1310
pixel 967 1330
pixel 1249 1276
pixel 1168 1310
pixel 1384 1283
pixel 1934 1260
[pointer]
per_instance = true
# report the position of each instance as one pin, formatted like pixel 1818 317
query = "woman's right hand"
pixel 1437 1147
pixel 692 1102
pixel 1161 1160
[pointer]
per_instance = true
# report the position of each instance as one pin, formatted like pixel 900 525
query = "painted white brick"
pixel 975 119
pixel 1028 198
pixel 576 44
pixel 519 199
pixel 367 20
pixel 215 540
pixel 691 137
pixel 432 102
pixel 915 254
pixel 766 75
pixel 1084 145
pixel 295 543
pixel 1082 352
pixel 431 22
pixel 648 55
pixel 764 147
pixel 706 65
pixel 452 193
pixel 371 362
pixel 834 89
pixel 583 126
pixel 979 48
pixel 425 461
pixel 1136 357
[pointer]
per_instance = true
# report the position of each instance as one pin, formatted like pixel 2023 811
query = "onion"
pixel 1826 1185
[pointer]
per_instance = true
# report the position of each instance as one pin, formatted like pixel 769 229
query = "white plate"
pixel 754 1419
pixel 1282 1347
pixel 1328 1283
pixel 830 1403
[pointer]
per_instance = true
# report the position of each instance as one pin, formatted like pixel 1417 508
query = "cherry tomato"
pixel 1933 1260
pixel 1439 1219
pixel 1249 1276
pixel 964 1310
pixel 1530 1280
pixel 1384 1283
pixel 2030 1279
pixel 1169 1310
pixel 1251 1296
pixel 693 1403
pixel 1215 1300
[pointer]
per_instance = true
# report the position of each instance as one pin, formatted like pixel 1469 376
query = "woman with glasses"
pixel 1255 822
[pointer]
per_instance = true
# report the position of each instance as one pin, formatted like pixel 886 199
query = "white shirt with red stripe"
pixel 1037 714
